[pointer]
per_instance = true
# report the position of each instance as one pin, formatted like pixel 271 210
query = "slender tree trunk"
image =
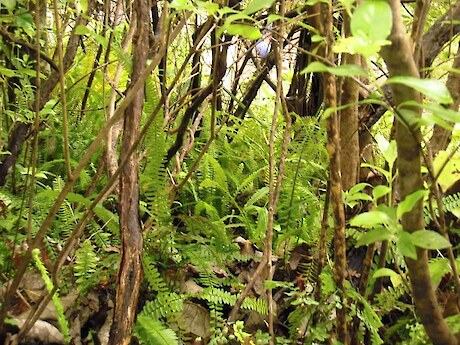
pixel 400 62
pixel 348 117
pixel 323 22
pixel 130 274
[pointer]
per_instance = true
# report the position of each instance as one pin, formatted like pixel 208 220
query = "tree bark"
pixel 130 273
pixel 400 62
pixel 348 118
pixel 323 22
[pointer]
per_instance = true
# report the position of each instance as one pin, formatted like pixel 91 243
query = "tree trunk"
pixel 130 274
pixel 400 62
pixel 348 117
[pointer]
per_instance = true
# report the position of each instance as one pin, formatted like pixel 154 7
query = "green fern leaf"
pixel 152 332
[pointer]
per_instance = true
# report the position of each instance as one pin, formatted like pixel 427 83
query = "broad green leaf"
pixel 436 90
pixel 244 30
pixel 379 169
pixel 358 187
pixel 409 202
pixel 384 272
pixel 380 191
pixel 450 166
pixel 437 114
pixel 7 72
pixel 405 245
pixel 388 149
pixel 439 267
pixel 429 240
pixel 182 5
pixel 370 219
pixel 257 5
pixel 209 7
pixel 82 30
pixel 357 45
pixel 374 235
pixel 354 194
pixel 9 4
pixel 361 196
pixel 372 21
pixel 340 71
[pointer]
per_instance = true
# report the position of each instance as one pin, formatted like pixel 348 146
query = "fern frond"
pixel 258 305
pixel 85 266
pixel 152 332
pixel 218 296
pixel 166 304
pixel 153 276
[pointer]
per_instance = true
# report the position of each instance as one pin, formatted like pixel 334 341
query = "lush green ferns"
pixel 152 332
pixel 85 266
pixel 450 203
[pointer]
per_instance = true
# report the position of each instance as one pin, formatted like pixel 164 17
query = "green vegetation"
pixel 229 172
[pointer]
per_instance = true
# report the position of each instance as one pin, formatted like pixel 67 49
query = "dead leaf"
pixel 195 319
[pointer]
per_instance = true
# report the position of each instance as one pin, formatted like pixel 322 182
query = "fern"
pixel 450 203
pixel 218 296
pixel 153 276
pixel 166 305
pixel 85 266
pixel 366 314
pixel 258 305
pixel 152 332
pixel 62 321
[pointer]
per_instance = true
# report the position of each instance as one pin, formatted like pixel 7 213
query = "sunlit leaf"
pixel 182 5
pixel 374 235
pixel 380 191
pixel 257 5
pixel 384 272
pixel 244 30
pixel 340 71
pixel 9 4
pixel 429 240
pixel 433 89
pixel 372 20
pixel 405 246
pixel 370 219
pixel 388 149
pixel 409 202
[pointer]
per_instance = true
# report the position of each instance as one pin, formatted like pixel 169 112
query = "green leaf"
pixel 182 5
pixel 405 246
pixel 340 71
pixel 370 219
pixel 370 25
pixel 374 235
pixel 82 30
pixel 358 187
pixel 372 21
pixel 385 272
pixel 151 331
pixel 244 30
pixel 209 8
pixel 380 191
pixel 9 4
pixel 257 5
pixel 387 148
pixel 439 267
pixel 7 72
pixel 429 240
pixel 409 202
pixel 436 90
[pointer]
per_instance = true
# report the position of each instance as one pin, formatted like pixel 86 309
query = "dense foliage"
pixel 254 172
